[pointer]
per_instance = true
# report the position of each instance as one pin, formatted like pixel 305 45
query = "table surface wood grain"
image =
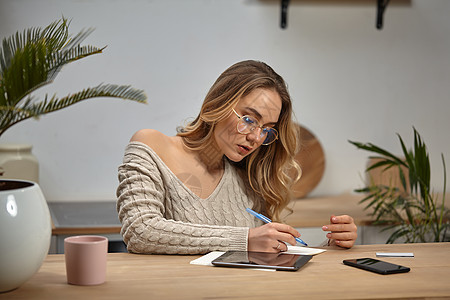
pixel 132 276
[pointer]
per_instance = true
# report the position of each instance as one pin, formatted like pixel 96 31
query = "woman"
pixel 188 194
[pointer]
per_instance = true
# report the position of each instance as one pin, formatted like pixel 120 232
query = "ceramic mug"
pixel 85 257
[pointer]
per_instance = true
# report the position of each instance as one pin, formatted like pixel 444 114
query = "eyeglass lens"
pixel 247 125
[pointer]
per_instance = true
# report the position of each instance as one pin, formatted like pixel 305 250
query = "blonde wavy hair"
pixel 270 170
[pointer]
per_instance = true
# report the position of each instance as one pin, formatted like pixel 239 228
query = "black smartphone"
pixel 265 260
pixel 375 265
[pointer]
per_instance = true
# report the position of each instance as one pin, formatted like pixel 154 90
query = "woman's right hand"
pixel 271 237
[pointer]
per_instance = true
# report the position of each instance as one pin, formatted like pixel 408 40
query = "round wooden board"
pixel 311 158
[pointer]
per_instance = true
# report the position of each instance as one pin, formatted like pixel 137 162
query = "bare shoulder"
pixel 158 141
pixel 149 137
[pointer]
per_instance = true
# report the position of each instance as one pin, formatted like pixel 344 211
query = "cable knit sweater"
pixel 159 214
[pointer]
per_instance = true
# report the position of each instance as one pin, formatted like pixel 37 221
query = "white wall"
pixel 347 79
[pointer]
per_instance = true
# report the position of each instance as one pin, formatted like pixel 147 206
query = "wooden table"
pixel 132 276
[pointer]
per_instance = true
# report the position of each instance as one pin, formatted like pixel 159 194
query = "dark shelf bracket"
pixel 284 10
pixel 381 7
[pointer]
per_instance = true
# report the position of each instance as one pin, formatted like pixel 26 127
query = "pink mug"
pixel 86 259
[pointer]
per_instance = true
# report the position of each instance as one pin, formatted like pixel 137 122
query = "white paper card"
pixel 206 259
pixel 395 254
pixel 303 250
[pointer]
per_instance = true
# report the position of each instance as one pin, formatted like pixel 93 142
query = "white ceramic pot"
pixel 25 232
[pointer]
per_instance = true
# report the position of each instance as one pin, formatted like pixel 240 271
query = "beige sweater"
pixel 159 214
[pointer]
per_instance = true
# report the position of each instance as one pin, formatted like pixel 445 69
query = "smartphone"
pixel 265 260
pixel 375 265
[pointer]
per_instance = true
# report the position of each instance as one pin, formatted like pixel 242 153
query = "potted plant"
pixel 410 208
pixel 28 61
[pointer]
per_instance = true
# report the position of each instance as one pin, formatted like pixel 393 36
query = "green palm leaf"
pixel 29 109
pixel 32 59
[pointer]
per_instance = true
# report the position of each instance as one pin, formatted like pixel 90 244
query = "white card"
pixel 303 250
pixel 394 254
pixel 206 259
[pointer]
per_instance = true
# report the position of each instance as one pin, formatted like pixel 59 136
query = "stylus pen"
pixel 267 220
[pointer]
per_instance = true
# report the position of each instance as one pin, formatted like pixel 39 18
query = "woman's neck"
pixel 211 157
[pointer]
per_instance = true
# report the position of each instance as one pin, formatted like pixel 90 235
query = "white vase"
pixel 18 162
pixel 25 232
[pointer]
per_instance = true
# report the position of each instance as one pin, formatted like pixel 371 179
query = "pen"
pixel 267 220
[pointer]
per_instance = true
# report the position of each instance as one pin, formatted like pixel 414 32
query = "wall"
pixel 348 80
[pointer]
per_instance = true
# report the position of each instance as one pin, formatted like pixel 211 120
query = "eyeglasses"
pixel 248 124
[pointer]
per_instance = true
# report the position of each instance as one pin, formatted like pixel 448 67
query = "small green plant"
pixel 412 210
pixel 32 59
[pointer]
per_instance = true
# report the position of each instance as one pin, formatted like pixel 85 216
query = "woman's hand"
pixel 271 237
pixel 343 231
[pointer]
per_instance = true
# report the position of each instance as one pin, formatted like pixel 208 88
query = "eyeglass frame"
pixel 255 126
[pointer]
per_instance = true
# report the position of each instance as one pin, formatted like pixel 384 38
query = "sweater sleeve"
pixel 141 206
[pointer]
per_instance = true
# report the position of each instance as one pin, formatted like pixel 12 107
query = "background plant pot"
pixel 18 162
pixel 390 177
pixel 25 232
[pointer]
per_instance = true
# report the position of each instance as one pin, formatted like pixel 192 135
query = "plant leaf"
pixel 373 148
pixel 33 110
pixel 32 59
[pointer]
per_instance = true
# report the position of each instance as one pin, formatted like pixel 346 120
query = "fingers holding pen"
pixel 271 237
pixel 288 232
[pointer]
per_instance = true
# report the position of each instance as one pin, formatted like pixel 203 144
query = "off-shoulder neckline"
pixel 225 175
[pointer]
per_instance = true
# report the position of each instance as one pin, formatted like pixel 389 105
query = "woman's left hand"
pixel 343 231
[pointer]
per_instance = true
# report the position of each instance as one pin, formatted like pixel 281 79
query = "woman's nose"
pixel 255 135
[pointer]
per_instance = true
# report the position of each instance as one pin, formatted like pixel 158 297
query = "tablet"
pixel 265 260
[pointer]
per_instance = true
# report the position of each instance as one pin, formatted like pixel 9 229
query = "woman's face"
pixel 262 104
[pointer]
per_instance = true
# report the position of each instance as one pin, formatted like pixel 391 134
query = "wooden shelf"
pixel 316 211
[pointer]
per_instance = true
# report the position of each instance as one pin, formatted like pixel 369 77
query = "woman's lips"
pixel 244 150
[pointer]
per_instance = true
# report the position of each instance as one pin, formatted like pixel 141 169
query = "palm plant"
pixel 32 59
pixel 412 210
